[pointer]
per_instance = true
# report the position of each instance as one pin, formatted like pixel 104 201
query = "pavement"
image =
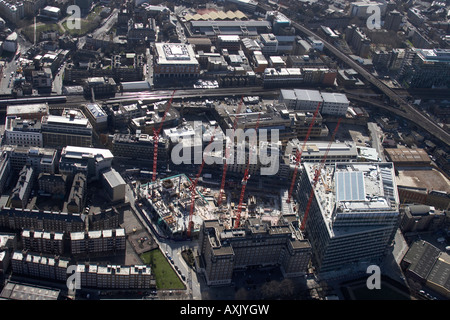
pixel 170 247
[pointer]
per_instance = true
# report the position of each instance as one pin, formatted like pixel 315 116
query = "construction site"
pixel 180 204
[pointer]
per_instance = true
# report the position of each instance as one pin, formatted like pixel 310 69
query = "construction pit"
pixel 168 202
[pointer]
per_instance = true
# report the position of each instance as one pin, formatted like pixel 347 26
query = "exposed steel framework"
pixel 245 179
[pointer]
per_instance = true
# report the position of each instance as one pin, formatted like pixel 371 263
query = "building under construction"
pixel 167 202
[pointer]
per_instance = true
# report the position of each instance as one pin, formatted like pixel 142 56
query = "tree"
pixel 241 294
pixel 270 290
pixel 287 288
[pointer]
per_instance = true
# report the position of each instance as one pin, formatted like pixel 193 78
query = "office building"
pixel 301 99
pixel 331 103
pixel 114 185
pixel 141 31
pixel 260 62
pixel 421 218
pixel 353 215
pixel 426 68
pixel 97 116
pixel 99 86
pixel 23 133
pixel 41 159
pixel 69 129
pixel 175 60
pixel 273 78
pixel 138 146
pixel 229 42
pixel 256 244
pixel 152 120
pixel 91 161
pixel 268 43
pixel 243 28
pixel 302 125
pixel 416 17
pixel 28 111
pixel 335 104
pixel 361 9
pixel 314 151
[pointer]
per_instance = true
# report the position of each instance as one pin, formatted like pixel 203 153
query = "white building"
pixel 23 133
pixel 92 161
pixel 268 43
pixel 175 60
pixel 362 9
pixel 301 99
pixel 334 103
pixel 114 185
pixel 314 151
pixel 96 115
pixel 353 215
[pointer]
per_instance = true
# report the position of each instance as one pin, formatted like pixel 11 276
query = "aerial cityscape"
pixel 191 150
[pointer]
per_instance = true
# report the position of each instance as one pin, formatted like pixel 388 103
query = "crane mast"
pixel 316 177
pixel 245 179
pixel 194 186
pixel 227 153
pixel 298 155
pixel 156 137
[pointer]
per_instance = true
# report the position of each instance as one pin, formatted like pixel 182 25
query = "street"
pixel 173 248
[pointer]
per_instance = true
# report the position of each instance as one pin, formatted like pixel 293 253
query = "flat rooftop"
pixel 18 110
pixel 175 53
pixel 333 97
pixel 354 188
pixel 113 178
pixel 22 291
pixel 70 151
pixel 407 155
pixel 428 178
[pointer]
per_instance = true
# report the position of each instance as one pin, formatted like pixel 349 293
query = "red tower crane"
pixel 156 136
pixel 227 154
pixel 316 177
pixel 194 186
pixel 298 155
pixel 244 180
